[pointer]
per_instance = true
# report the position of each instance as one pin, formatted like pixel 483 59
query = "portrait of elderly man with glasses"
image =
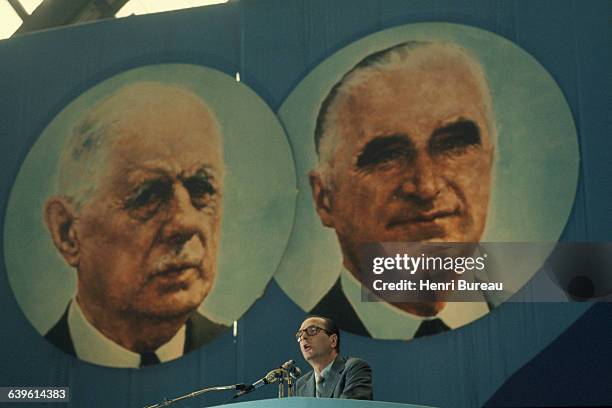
pixel 332 376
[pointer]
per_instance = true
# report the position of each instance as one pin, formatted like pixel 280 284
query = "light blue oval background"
pixel 258 201
pixel 535 171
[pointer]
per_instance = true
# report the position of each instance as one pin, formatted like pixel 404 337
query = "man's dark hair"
pixel 330 328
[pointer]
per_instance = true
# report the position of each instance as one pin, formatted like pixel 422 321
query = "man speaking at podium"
pixel 332 376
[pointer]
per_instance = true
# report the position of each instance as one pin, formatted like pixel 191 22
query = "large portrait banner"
pixel 429 133
pixel 132 234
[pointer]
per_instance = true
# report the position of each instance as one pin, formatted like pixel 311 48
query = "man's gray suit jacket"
pixel 348 378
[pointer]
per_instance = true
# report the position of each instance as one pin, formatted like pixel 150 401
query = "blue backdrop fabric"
pixel 519 355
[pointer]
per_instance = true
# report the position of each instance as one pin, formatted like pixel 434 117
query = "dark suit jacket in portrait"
pixel 199 331
pixel 336 306
pixel 348 378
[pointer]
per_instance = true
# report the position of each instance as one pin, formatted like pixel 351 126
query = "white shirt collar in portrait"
pixel 385 321
pixel 92 346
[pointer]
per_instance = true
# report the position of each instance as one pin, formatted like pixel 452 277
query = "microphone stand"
pixel 290 386
pixel 290 372
pixel 269 378
pixel 281 383
pixel 165 403
pixel 285 377
pixel 285 374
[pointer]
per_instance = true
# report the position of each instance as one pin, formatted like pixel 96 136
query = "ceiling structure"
pixel 39 15
pixel 55 13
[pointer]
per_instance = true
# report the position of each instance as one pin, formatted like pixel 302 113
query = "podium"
pixel 304 402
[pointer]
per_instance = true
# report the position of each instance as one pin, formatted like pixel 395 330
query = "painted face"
pixel 413 160
pixel 320 345
pixel 149 234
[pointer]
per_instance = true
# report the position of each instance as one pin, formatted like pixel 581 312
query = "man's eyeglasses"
pixel 310 331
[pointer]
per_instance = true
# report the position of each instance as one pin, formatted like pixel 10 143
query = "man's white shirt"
pixel 92 346
pixel 385 321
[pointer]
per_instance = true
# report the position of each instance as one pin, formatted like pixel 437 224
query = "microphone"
pixel 272 377
pixel 269 378
pixel 293 370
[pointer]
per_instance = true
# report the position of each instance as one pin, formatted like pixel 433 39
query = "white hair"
pixel 400 56
pixel 85 154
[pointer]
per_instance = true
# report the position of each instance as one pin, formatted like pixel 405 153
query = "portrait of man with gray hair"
pixel 405 143
pixel 137 214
